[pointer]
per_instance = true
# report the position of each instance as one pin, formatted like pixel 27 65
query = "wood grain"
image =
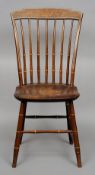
pixel 46 52
pixel 53 52
pixel 47 14
pixel 46 92
pixel 69 53
pixel 24 54
pixel 30 51
pixel 61 53
pixel 38 51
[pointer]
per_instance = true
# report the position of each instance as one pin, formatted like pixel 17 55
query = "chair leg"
pixel 68 123
pixel 24 113
pixel 18 136
pixel 75 134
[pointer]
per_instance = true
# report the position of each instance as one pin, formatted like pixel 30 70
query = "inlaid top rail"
pixel 47 14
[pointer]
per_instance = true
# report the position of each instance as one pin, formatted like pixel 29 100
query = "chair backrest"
pixel 59 19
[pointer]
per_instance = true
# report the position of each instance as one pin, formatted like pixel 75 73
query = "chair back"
pixel 46 42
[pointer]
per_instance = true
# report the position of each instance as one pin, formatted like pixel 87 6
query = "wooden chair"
pixel 51 90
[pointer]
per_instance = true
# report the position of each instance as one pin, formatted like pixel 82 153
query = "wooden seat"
pixel 46 42
pixel 47 92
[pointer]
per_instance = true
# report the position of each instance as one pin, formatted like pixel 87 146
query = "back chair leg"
pixel 75 134
pixel 68 123
pixel 18 136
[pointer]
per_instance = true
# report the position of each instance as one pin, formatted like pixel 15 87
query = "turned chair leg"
pixel 24 113
pixel 18 136
pixel 75 134
pixel 68 123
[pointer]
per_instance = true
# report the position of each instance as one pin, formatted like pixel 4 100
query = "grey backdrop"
pixel 47 154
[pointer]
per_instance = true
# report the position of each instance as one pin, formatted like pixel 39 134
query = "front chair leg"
pixel 68 123
pixel 24 113
pixel 75 134
pixel 18 136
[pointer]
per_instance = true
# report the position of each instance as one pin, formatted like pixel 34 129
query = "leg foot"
pixel 18 137
pixel 16 150
pixel 78 156
pixel 75 134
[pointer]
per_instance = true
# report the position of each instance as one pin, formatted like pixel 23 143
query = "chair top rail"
pixel 45 13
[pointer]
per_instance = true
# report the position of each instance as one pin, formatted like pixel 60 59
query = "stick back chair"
pixel 60 89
